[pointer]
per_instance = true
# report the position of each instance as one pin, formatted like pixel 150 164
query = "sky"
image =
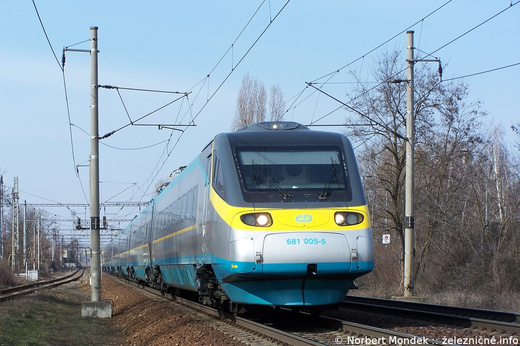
pixel 204 49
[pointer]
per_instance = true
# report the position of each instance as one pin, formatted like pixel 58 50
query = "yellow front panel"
pixel 288 219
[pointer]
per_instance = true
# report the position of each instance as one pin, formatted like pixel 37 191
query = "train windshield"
pixel 288 169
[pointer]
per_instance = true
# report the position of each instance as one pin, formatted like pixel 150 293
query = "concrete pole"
pixel 1 216
pixel 95 269
pixel 39 239
pixel 409 179
pixel 52 245
pixel 34 242
pixel 25 235
pixel 15 228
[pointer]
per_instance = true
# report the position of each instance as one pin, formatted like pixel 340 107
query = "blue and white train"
pixel 273 214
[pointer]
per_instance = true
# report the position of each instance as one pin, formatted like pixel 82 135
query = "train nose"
pixel 305 254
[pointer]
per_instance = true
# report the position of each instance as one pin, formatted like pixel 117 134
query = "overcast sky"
pixel 205 48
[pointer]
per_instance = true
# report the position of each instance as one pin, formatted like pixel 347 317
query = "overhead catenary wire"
pixel 330 75
pixel 46 36
pixel 62 69
pixel 210 96
pixel 141 118
pixel 171 143
pixel 363 115
pixel 135 148
pixel 483 72
pixel 236 39
pixel 144 90
pixel 313 123
pixel 427 55
pixel 169 149
pixel 383 43
pixel 241 59
pixel 475 27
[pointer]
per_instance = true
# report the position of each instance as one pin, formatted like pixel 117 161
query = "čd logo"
pixel 304 218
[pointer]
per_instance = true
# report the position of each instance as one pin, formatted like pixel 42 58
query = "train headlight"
pixel 257 219
pixel 347 218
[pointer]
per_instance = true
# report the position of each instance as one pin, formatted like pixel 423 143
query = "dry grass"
pixel 509 301
pixel 482 297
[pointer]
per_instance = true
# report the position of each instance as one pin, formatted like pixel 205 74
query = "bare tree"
pixel 445 127
pixel 251 103
pixel 276 103
pixel 516 129
pixel 491 215
pixel 467 186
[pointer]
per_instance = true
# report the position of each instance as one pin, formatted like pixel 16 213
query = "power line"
pixel 331 74
pixel 87 205
pixel 136 148
pixel 46 36
pixel 133 122
pixel 483 72
pixel 145 90
pixel 243 57
pixel 385 42
pixel 363 115
pixel 62 68
pixel 153 175
pixel 428 54
pixel 168 149
pixel 236 39
pixel 475 27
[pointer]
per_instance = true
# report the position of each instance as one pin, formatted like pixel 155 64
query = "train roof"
pixel 264 126
pixel 282 133
pixel 274 126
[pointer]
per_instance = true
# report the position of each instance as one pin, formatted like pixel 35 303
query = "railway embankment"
pixel 53 317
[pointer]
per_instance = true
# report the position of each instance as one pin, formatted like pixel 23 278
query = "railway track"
pixel 338 331
pixel 16 291
pixel 286 327
pixel 246 330
pixel 487 321
pixel 359 321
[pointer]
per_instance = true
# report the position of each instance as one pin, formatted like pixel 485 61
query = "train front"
pixel 297 229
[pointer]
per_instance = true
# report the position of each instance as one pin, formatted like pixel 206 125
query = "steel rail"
pixel 351 332
pixel 365 334
pixel 15 291
pixel 467 317
pixel 280 335
pixel 261 330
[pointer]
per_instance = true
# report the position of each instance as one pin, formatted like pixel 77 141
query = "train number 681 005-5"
pixel 306 241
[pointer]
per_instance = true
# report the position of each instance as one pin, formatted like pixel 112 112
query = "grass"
pixel 52 317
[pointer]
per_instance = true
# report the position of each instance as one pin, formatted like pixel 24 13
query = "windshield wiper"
pixel 325 193
pixel 261 178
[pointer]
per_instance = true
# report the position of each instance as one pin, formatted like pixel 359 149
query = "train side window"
pixel 177 211
pixel 189 204
pixel 194 203
pixel 218 177
pixel 184 206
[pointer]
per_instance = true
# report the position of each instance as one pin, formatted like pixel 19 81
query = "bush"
pixel 6 275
